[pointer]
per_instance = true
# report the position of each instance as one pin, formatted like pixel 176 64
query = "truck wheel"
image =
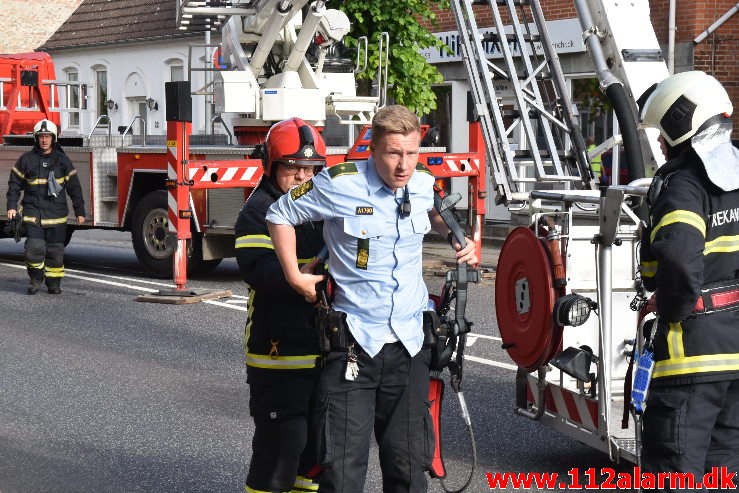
pixel 149 229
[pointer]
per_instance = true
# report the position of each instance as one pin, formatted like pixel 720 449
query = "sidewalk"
pixel 438 257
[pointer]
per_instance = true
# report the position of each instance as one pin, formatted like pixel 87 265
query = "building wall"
pixel 715 55
pixel 26 24
pixel 132 77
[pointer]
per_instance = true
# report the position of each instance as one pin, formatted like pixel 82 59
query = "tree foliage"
pixel 410 76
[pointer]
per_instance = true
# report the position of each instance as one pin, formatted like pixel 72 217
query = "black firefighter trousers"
pixel 390 395
pixel 44 252
pixel 692 428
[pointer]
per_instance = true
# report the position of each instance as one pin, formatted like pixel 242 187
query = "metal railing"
pixel 130 126
pixel 97 123
pixel 225 127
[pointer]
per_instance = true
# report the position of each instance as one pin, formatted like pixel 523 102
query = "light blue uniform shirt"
pixel 374 254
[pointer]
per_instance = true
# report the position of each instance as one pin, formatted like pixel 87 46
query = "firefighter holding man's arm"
pixel 45 175
pixel 375 215
pixel 690 258
pixel 282 354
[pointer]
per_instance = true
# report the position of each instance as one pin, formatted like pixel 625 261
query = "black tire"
pixel 149 228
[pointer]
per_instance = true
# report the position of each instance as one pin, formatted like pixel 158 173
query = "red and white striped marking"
pixel 462 165
pixel 572 406
pixel 171 193
pixel 232 174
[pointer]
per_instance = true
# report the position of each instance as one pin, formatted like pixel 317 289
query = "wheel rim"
pixel 155 229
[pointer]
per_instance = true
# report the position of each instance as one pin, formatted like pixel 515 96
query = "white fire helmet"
pixel 45 127
pixel 681 103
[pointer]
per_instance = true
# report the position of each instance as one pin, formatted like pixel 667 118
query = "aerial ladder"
pixel 577 254
pixel 274 63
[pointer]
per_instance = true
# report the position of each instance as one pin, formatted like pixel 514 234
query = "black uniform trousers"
pixel 44 252
pixel 390 394
pixel 280 403
pixel 692 428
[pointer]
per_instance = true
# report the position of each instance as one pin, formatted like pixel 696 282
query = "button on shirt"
pixel 374 253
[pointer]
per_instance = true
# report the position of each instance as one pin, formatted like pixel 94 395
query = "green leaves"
pixel 410 77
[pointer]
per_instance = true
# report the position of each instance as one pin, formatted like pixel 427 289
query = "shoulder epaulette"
pixel 342 169
pixel 423 169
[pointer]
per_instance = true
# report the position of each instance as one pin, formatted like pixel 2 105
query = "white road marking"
pixel 124 285
pixel 490 362
pixel 228 304
pixel 487 337
pixel 470 340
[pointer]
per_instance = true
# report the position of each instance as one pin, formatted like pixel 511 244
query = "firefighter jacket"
pixel 689 250
pixel 30 175
pixel 279 334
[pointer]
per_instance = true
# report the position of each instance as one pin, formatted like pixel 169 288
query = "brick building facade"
pixel 26 24
pixel 716 54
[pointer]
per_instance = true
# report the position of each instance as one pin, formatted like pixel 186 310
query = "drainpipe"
pixel 717 24
pixel 671 39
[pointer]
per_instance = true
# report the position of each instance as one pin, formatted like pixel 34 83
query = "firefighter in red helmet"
pixel 282 353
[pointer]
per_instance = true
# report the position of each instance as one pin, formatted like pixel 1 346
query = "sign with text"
pixel 565 34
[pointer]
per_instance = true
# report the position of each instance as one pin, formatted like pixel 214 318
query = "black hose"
pixel 627 123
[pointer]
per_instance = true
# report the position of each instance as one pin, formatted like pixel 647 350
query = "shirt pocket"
pixel 421 223
pixel 362 227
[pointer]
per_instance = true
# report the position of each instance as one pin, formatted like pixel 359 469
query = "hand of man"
pixel 466 254
pixel 80 219
pixel 12 213
pixel 305 285
pixel 652 304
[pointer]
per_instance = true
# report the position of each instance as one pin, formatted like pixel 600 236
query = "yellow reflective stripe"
pixel 675 341
pixel 18 172
pixel 305 484
pixel 35 265
pixel 252 490
pixel 254 241
pixel 281 362
pixel 60 220
pixel 696 364
pixel 305 260
pixel 722 244
pixel 54 271
pixel 249 318
pixel 37 181
pixel 29 219
pixel 681 216
pixel 649 269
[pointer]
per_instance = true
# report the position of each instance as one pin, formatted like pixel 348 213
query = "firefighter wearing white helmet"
pixel 690 259
pixel 282 355
pixel 45 175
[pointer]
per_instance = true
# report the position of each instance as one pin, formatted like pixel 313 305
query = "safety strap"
pixel 718 297
pixel 630 371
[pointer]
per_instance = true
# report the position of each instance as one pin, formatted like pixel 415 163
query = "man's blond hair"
pixel 395 119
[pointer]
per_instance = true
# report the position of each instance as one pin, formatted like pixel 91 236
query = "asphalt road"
pixel 101 393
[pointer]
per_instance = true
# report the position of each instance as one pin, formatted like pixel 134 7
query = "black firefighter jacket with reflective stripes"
pixel 692 241
pixel 30 175
pixel 278 334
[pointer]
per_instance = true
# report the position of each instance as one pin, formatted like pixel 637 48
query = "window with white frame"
pixel 176 72
pixel 101 91
pixel 74 98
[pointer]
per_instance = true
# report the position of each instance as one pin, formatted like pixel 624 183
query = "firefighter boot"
pixel 33 285
pixel 53 285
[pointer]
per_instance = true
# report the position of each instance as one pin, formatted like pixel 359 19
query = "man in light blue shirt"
pixel 375 215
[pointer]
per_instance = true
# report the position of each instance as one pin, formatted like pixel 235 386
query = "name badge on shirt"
pixel 365 211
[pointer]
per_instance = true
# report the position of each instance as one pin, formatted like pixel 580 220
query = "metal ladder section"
pixel 209 15
pixel 542 114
